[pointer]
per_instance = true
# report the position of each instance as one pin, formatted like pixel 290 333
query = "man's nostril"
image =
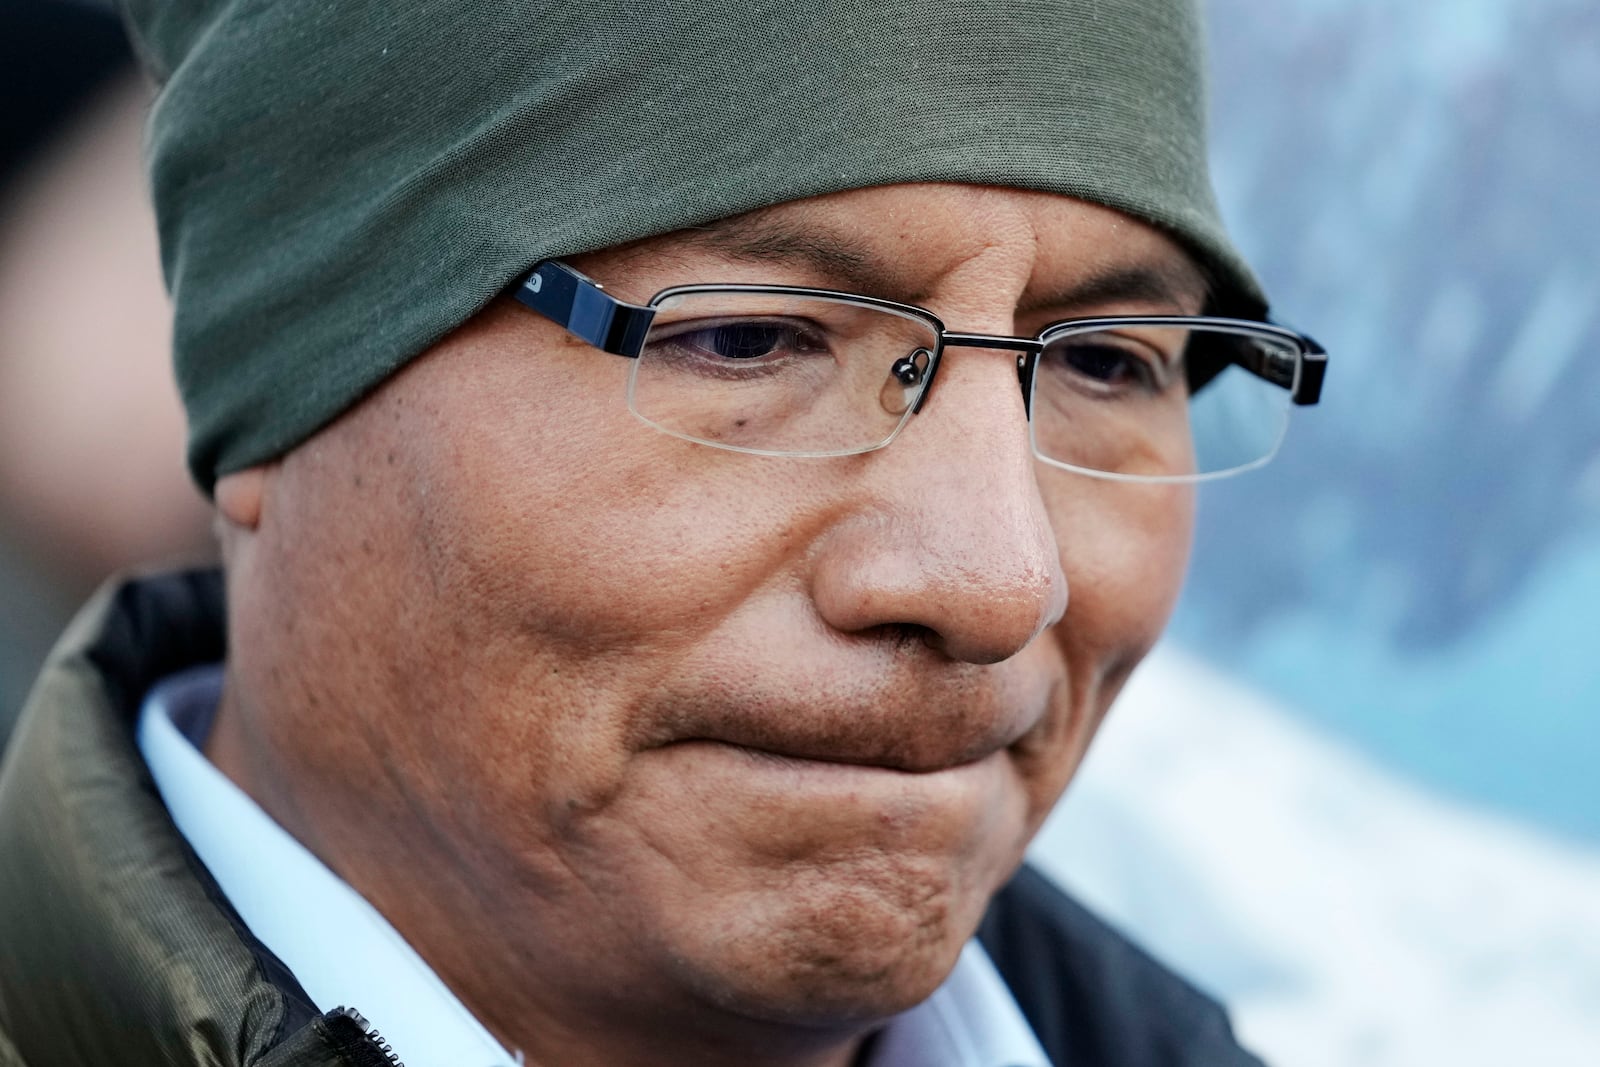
pixel 905 635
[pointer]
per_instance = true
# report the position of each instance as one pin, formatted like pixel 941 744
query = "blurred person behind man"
pixel 91 431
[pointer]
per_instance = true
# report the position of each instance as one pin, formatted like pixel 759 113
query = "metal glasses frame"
pixel 581 305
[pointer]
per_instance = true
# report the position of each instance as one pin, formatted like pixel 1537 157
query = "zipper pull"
pixel 371 1034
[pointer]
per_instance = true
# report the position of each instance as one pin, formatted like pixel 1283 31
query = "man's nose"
pixel 950 535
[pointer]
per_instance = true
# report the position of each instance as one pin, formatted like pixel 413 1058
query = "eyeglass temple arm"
pixel 1312 368
pixel 581 305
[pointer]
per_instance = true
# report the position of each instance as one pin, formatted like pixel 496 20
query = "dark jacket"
pixel 117 948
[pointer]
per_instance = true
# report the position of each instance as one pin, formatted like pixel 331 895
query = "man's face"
pixel 700 733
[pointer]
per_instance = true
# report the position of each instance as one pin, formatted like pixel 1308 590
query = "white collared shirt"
pixel 343 952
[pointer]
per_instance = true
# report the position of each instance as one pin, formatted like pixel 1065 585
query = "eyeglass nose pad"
pixel 904 382
pixel 1026 363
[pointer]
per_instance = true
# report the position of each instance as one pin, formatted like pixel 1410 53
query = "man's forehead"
pixel 882 243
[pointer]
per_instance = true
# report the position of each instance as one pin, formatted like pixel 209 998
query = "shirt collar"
pixel 343 952
pixel 970 1021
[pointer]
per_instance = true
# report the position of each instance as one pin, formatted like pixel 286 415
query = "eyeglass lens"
pixel 779 373
pixel 1160 401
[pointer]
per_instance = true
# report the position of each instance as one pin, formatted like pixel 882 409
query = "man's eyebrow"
pixel 842 262
pixel 1176 285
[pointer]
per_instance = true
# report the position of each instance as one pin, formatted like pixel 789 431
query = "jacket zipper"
pixel 383 1047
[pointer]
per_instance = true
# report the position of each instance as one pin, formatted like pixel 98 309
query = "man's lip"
pixel 797 760
pixel 913 721
pixel 911 744
pixel 768 781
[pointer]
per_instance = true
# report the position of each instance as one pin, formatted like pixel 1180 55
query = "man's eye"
pixel 749 340
pixel 1105 364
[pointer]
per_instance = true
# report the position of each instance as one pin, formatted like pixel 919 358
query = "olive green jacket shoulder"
pixel 116 948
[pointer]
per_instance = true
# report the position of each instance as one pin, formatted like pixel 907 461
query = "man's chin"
pixel 817 897
pixel 821 987
pixel 846 944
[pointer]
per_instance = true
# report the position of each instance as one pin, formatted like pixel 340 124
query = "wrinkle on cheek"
pixel 569 810
pixel 623 847
pixel 1046 758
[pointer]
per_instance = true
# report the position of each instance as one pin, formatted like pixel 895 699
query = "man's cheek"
pixel 604 560
pixel 1124 548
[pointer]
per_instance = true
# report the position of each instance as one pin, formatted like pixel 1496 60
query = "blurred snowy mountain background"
pixel 1421 572
pixel 1372 822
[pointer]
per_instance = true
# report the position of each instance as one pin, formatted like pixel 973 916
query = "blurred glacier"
pixel 1419 573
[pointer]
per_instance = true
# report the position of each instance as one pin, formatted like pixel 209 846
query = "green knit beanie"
pixel 339 183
